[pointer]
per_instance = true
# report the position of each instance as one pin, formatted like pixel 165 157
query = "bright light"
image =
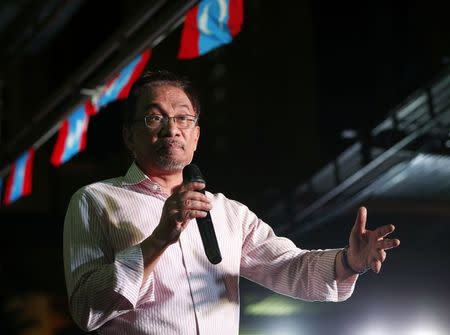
pixel 422 322
pixel 425 324
pixel 275 305
pixel 426 330
pixel 349 134
pixel 372 328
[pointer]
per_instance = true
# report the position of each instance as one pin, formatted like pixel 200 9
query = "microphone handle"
pixel 208 235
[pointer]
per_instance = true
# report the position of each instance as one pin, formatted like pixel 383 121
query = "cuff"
pixel 345 288
pixel 333 291
pixel 128 273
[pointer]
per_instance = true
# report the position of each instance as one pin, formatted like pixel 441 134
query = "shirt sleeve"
pixel 276 263
pixel 101 284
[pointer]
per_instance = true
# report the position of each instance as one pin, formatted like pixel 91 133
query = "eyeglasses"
pixel 155 121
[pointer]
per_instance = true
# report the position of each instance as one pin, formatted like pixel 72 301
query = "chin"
pixel 171 165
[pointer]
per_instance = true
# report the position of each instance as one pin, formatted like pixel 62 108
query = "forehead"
pixel 165 95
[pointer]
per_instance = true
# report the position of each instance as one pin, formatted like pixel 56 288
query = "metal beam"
pixel 424 111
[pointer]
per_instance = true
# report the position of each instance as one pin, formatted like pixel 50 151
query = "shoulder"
pixel 89 200
pixel 96 190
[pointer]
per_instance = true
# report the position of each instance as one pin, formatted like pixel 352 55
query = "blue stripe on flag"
pixel 19 177
pixel 212 23
pixel 72 144
pixel 119 83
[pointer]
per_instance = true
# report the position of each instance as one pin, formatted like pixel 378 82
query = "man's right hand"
pixel 182 206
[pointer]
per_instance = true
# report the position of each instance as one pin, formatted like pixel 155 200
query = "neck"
pixel 167 180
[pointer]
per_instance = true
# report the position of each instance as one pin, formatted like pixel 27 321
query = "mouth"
pixel 167 145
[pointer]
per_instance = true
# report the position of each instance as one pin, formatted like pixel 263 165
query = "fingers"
pixel 187 203
pixel 187 215
pixel 376 266
pixel 372 243
pixel 192 186
pixel 188 197
pixel 383 231
pixel 190 204
pixel 380 255
pixel 361 218
pixel 379 258
pixel 193 200
pixel 179 209
pixel 388 243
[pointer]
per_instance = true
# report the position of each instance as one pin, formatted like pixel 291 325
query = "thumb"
pixel 193 186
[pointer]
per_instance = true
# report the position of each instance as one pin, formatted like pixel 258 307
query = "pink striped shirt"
pixel 185 294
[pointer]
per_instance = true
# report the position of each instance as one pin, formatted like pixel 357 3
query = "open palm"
pixel 367 248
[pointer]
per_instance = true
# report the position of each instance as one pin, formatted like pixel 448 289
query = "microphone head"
pixel 191 173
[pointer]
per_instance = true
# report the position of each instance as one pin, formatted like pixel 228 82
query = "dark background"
pixel 274 105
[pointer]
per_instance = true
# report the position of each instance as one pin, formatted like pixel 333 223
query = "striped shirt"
pixel 185 294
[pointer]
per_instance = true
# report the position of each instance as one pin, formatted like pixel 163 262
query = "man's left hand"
pixel 367 248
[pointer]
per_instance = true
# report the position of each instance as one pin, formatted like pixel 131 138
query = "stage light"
pixel 425 324
pixel 425 330
pixel 423 321
pixel 275 305
pixel 372 328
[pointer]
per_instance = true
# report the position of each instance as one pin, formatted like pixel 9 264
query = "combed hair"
pixel 155 79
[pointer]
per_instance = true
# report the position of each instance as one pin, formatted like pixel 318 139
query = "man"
pixel 134 260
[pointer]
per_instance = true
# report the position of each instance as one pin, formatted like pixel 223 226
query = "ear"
pixel 196 136
pixel 127 135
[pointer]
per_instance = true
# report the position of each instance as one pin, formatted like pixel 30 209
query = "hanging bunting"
pixel 119 87
pixel 72 135
pixel 209 25
pixel 19 182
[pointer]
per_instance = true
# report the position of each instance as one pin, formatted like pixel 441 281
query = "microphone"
pixel 191 173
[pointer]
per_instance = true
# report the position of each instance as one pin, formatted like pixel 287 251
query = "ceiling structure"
pixel 406 158
pixel 32 31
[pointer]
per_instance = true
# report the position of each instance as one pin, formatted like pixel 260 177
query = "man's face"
pixel 167 148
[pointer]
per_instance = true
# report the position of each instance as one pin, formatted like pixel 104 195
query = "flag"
pixel 210 24
pixel 20 178
pixel 119 87
pixel 72 135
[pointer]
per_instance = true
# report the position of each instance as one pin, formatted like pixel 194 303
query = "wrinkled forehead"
pixel 164 95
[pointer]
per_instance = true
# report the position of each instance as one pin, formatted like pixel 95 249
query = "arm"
pixel 276 263
pixel 101 285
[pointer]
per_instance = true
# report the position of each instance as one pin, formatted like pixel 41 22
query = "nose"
pixel 169 128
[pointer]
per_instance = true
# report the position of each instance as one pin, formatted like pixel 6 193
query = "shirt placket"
pixel 186 246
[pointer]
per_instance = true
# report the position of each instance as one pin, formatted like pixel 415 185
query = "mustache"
pixel 165 143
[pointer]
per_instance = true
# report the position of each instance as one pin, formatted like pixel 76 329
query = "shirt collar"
pixel 135 176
